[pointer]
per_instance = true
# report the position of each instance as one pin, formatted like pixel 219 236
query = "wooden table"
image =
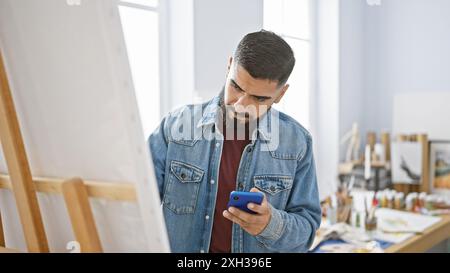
pixel 420 243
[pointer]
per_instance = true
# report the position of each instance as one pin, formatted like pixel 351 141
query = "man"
pixel 237 141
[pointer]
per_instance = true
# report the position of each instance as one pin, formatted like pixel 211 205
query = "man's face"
pixel 247 98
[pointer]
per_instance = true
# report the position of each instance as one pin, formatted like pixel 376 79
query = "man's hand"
pixel 252 223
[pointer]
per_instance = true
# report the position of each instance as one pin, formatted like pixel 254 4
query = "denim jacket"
pixel 187 169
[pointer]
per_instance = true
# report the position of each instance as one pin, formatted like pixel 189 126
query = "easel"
pixel 424 185
pixel 75 191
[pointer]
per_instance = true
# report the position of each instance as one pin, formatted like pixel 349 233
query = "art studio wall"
pixel 218 28
pixel 398 47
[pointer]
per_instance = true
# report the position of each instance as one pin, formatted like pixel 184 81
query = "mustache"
pixel 241 115
pixel 232 111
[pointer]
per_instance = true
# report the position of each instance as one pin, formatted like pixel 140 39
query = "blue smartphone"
pixel 240 200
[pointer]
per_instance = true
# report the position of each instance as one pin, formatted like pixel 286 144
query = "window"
pixel 140 23
pixel 291 20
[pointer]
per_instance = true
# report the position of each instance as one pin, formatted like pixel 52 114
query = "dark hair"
pixel 265 55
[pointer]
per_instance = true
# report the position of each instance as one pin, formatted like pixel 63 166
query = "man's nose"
pixel 241 103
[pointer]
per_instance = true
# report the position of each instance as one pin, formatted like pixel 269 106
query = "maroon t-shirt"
pixel 229 165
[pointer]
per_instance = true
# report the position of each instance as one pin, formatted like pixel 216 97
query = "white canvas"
pixel 74 96
pixel 426 112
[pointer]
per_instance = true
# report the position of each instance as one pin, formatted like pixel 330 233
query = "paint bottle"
pixel 422 197
pixel 379 196
pixel 390 199
pixel 399 201
pixel 409 202
pixel 332 211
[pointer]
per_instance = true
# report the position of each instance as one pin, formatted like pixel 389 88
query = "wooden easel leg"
pixel 2 235
pixel 19 170
pixel 81 217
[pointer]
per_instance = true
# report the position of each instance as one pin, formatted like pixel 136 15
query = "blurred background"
pixel 354 58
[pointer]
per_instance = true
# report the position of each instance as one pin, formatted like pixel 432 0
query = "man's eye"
pixel 261 99
pixel 235 86
pixel 238 89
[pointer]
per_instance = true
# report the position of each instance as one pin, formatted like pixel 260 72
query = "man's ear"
pixel 283 91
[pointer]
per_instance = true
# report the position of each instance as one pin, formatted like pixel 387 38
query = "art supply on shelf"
pixel 367 167
pixel 399 200
pixel 380 153
pixel 332 211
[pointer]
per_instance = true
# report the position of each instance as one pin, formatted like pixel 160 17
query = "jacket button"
pixel 183 176
pixel 240 186
pixel 249 150
pixel 272 188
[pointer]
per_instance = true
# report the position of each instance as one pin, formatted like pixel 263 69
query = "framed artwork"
pixel 440 167
pixel 406 162
pixel 410 163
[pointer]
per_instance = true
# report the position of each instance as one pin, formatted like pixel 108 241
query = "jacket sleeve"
pixel 158 144
pixel 293 229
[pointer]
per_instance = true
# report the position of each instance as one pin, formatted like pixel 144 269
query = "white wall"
pixel 400 46
pixel 407 46
pixel 178 49
pixel 219 26
pixel 351 66
pixel 422 112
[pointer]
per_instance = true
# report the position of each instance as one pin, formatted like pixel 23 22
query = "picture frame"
pixel 410 167
pixel 406 163
pixel 440 167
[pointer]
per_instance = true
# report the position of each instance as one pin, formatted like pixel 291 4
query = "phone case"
pixel 240 199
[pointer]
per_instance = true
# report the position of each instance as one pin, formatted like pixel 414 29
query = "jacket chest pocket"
pixel 276 188
pixel 183 184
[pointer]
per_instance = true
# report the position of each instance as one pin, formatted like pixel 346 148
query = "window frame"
pixel 162 11
pixel 312 41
